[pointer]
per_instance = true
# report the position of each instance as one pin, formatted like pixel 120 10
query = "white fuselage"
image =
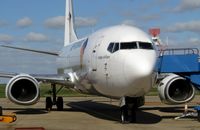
pixel 114 62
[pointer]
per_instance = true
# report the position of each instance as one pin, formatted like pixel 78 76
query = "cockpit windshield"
pixel 144 45
pixel 126 45
pixel 113 47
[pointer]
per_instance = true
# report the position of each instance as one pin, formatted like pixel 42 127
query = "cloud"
pixel 192 26
pixel 194 41
pixel 5 38
pixel 85 22
pixel 3 23
pixel 36 37
pixel 58 22
pixel 129 22
pixel 178 41
pixel 150 17
pixel 161 1
pixel 128 14
pixel 187 5
pixel 24 22
pixel 55 22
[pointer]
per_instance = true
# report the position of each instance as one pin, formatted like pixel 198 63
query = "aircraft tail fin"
pixel 70 34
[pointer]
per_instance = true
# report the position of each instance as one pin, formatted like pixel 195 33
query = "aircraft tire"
pixel 1 111
pixel 133 114
pixel 59 103
pixel 124 114
pixel 198 116
pixel 49 104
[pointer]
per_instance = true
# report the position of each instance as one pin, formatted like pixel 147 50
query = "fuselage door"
pixel 94 59
pixel 95 52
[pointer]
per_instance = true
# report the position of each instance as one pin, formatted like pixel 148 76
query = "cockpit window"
pixel 116 47
pixel 113 47
pixel 110 47
pixel 144 45
pixel 128 45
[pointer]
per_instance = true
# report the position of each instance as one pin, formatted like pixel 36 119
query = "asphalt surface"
pixel 98 113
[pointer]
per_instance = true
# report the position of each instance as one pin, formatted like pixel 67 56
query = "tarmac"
pixel 99 113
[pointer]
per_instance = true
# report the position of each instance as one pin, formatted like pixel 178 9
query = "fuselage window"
pixel 144 45
pixel 128 45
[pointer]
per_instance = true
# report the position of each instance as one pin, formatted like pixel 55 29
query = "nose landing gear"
pixel 129 107
pixel 128 115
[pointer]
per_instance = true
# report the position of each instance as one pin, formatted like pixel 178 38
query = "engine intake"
pixel 175 90
pixel 23 89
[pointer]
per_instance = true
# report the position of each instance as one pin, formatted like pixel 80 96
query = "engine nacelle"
pixel 23 89
pixel 175 90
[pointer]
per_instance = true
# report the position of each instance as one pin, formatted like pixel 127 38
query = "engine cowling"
pixel 175 90
pixel 23 89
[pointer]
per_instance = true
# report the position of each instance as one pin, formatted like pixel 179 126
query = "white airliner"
pixel 116 62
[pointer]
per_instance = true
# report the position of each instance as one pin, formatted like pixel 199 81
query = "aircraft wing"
pixel 44 78
pixel 30 50
pixel 53 78
pixel 7 75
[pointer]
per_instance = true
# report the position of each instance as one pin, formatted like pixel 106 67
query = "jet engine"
pixel 174 89
pixel 23 89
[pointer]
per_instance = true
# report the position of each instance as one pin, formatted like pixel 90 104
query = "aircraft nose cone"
pixel 139 65
pixel 142 68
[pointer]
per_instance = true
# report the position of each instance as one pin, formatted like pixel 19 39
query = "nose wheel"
pixel 128 114
pixel 54 100
pixel 124 114
pixel 129 107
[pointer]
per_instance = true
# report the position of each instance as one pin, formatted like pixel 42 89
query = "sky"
pixel 39 24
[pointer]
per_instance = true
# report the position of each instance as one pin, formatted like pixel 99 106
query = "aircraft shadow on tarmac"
pixel 27 111
pixel 168 109
pixel 31 112
pixel 171 110
pixel 112 112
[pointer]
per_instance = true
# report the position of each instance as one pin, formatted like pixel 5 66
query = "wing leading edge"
pixel 31 50
pixel 44 78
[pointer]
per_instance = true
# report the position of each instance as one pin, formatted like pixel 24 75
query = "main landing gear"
pixel 129 107
pixel 58 101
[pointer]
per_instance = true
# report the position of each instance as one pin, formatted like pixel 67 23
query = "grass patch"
pixel 153 92
pixel 2 90
pixel 45 90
